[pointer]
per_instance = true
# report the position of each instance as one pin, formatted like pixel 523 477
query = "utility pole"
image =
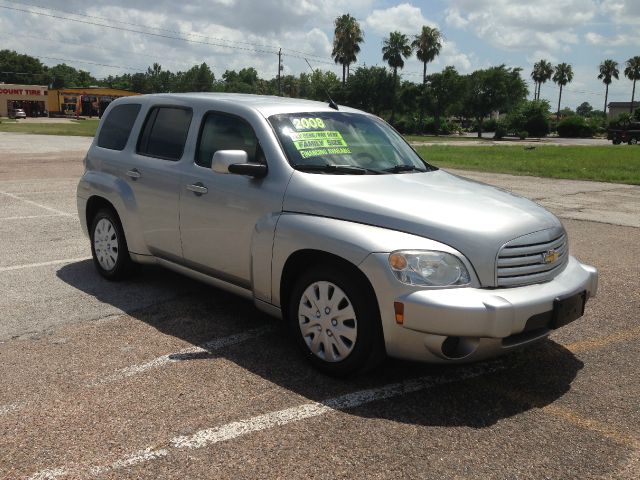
pixel 279 70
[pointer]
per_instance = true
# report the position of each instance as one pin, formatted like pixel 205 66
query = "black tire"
pixel 616 141
pixel 633 141
pixel 368 349
pixel 123 266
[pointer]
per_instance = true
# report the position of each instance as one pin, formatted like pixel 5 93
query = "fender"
pixel 120 195
pixel 351 241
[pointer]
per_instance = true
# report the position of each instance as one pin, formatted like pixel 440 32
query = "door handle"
pixel 134 174
pixel 197 188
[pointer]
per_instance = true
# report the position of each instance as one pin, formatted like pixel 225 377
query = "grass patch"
pixel 82 128
pixel 440 138
pixel 618 164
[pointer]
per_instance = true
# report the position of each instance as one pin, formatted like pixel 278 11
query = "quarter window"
pixel 117 126
pixel 226 132
pixel 165 132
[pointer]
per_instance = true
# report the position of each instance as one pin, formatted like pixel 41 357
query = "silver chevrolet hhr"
pixel 324 216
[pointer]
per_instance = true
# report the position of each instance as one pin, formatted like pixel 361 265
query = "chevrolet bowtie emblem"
pixel 550 256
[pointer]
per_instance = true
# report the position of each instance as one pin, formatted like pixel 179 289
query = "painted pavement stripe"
pixel 208 347
pixel 54 210
pixel 43 264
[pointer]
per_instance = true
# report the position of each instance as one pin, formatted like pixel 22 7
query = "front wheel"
pixel 633 141
pixel 335 321
pixel 109 246
pixel 616 141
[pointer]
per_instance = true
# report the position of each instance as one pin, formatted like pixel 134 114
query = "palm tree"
pixel 562 76
pixel 608 71
pixel 537 78
pixel 395 50
pixel 427 46
pixel 632 72
pixel 346 42
pixel 542 71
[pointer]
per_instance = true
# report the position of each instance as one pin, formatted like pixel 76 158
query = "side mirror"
pixel 222 159
pixel 235 161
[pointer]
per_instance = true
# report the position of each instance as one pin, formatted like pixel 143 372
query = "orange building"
pixel 90 101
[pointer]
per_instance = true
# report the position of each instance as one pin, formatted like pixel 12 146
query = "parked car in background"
pixel 326 217
pixel 627 132
pixel 17 113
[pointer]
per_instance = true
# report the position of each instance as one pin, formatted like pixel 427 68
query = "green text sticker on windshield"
pixel 314 144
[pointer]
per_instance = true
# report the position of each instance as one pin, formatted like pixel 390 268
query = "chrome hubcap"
pixel 105 244
pixel 327 321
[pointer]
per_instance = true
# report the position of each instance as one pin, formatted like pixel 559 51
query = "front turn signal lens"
pixel 399 309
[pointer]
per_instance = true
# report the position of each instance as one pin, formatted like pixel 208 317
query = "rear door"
pixel 153 174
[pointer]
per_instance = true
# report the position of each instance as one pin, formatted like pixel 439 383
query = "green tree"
pixel 346 42
pixel 63 75
pixel 496 89
pixel 444 93
pixel 542 72
pixel 395 50
pixel 608 71
pixel 584 109
pixel 370 89
pixel 198 78
pixel 24 69
pixel 562 76
pixel 632 72
pixel 427 46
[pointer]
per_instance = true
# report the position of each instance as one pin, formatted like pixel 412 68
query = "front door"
pixel 219 212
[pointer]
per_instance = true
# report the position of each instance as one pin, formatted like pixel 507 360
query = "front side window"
pixel 226 132
pixel 343 142
pixel 165 132
pixel 117 126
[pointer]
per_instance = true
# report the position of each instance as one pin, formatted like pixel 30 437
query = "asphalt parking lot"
pixel 163 377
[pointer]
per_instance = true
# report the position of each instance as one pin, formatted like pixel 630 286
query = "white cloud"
pixel 622 11
pixel 404 18
pixel 545 24
pixel 618 40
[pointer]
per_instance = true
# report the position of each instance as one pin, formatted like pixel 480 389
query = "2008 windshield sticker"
pixel 314 144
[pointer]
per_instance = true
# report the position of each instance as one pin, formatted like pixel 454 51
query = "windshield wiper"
pixel 403 168
pixel 348 169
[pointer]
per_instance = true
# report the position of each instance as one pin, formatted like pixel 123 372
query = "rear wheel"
pixel 616 141
pixel 633 141
pixel 109 246
pixel 335 321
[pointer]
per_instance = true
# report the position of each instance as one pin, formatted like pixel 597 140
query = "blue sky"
pixel 237 33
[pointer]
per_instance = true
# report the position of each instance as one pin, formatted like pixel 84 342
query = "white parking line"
pixel 4 409
pixel 258 423
pixel 133 459
pixel 43 264
pixel 208 347
pixel 26 217
pixel 54 210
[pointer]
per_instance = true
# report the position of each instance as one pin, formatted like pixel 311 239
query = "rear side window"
pixel 165 132
pixel 117 126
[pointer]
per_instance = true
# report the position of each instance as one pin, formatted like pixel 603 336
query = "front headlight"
pixel 428 268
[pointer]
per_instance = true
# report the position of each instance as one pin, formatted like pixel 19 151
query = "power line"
pixel 159 35
pixel 217 39
pixel 165 29
pixel 84 44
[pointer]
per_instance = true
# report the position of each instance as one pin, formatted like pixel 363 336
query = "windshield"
pixel 344 143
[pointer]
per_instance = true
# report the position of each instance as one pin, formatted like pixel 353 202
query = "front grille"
pixel 522 261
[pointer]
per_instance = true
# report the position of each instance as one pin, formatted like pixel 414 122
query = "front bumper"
pixel 467 324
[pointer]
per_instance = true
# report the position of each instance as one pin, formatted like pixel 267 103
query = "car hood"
pixel 474 218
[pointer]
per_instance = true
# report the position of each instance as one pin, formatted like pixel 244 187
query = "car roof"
pixel 267 105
